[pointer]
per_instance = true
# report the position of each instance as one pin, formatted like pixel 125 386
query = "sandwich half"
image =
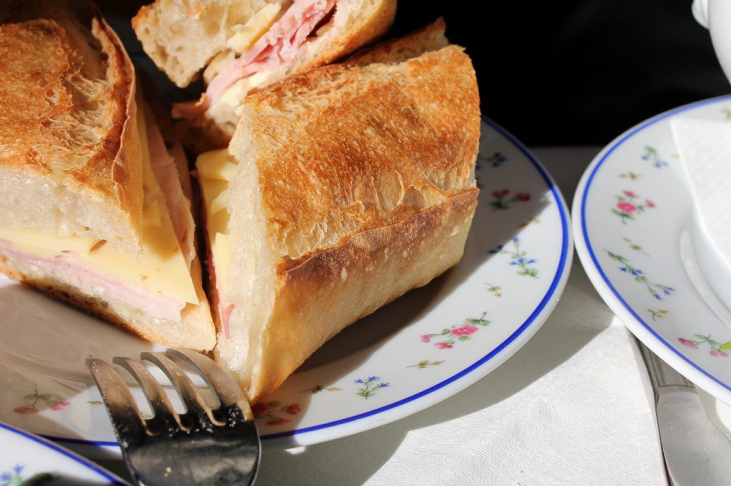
pixel 343 188
pixel 236 45
pixel 95 194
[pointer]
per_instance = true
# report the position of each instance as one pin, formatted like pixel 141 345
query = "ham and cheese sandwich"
pixel 95 192
pixel 343 188
pixel 236 45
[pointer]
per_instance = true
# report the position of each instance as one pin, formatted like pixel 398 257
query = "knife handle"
pixel 661 374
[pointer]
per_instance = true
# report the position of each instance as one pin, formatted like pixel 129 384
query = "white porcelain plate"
pixel 422 348
pixel 29 459
pixel 638 239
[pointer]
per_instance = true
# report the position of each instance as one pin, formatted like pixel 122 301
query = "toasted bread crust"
pixel 431 37
pixel 322 294
pixel 364 176
pixel 408 143
pixel 68 118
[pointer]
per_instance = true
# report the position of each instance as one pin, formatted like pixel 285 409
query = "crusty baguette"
pixel 71 164
pixel 431 37
pixel 69 147
pixel 354 185
pixel 165 30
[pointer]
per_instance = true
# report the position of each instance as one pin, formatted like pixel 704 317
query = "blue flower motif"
pixel 518 258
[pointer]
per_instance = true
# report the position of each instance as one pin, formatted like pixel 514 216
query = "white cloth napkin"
pixel 704 147
pixel 705 153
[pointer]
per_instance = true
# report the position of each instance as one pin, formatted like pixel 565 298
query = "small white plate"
pixel 639 240
pixel 28 459
pixel 413 353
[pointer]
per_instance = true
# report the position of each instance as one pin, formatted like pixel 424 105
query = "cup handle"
pixel 700 12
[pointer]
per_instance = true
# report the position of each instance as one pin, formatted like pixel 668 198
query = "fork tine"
pixel 120 403
pixel 192 399
pixel 156 396
pixel 227 390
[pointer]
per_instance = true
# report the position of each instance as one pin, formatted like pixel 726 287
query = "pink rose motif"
pixel 464 330
pixel 293 409
pixel 443 345
pixel 649 203
pixel 277 421
pixel 425 338
pixel 500 193
pixel 626 207
pixel 25 410
pixel 59 405
pixel 522 196
pixel 719 354
pixel 259 408
pixel 690 344
pixel 630 194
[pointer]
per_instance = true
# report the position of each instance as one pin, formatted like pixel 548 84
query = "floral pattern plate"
pixel 27 459
pixel 422 348
pixel 639 240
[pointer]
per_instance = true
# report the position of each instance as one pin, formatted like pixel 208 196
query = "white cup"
pixel 715 15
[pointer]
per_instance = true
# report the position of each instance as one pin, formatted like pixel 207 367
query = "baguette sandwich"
pixel 343 188
pixel 236 45
pixel 95 206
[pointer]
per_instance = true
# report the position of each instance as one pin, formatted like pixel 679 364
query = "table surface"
pixel 573 406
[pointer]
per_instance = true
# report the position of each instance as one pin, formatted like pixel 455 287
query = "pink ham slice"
pixel 166 174
pixel 84 277
pixel 275 48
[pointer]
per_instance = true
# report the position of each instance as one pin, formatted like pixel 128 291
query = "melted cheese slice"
pixel 215 170
pixel 161 268
pixel 246 35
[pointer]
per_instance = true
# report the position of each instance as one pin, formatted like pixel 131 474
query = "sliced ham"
pixel 67 267
pixel 224 313
pixel 275 48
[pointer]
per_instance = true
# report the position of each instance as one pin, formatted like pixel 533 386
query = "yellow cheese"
pixel 216 169
pixel 216 164
pixel 217 64
pixel 160 269
pixel 151 216
pixel 246 35
pixel 221 202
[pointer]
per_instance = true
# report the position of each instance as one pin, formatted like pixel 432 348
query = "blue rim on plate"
pixel 651 133
pixel 50 457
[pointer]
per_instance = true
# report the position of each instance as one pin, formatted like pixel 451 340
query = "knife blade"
pixel 696 452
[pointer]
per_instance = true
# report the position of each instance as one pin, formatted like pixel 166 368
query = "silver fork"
pixel 218 446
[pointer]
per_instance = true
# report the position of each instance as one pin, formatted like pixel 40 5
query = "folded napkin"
pixel 705 152
pixel 704 147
